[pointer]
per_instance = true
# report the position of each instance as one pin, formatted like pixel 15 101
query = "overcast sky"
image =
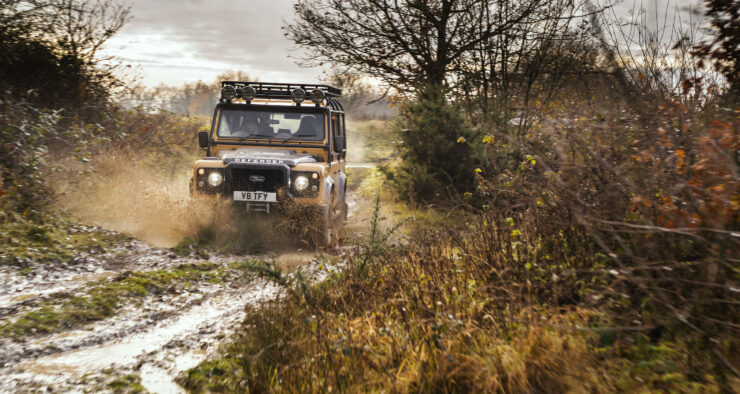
pixel 177 41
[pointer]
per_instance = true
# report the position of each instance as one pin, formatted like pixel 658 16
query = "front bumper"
pixel 275 178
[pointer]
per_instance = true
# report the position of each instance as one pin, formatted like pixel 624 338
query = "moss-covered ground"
pixel 49 238
pixel 101 299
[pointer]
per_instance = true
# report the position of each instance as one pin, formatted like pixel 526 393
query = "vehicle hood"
pixel 265 156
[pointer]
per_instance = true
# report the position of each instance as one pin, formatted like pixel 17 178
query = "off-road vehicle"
pixel 277 147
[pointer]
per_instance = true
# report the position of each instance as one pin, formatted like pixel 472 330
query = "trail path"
pixel 156 339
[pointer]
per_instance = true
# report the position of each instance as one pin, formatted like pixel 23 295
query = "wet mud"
pixel 156 339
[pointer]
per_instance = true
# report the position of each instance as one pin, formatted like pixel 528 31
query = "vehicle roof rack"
pixel 282 90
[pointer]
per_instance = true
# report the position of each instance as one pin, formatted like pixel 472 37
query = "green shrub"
pixel 438 161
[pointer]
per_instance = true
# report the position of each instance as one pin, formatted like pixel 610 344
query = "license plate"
pixel 255 196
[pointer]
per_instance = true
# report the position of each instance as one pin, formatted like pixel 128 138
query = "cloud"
pixel 213 35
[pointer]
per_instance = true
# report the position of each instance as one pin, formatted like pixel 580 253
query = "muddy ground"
pixel 151 337
pixel 122 315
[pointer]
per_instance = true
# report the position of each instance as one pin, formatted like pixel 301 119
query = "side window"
pixel 342 128
pixel 335 129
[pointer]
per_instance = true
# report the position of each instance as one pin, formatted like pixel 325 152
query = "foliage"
pixel 43 237
pixel 373 141
pixel 724 49
pixel 130 383
pixel 487 307
pixel 656 198
pixel 42 159
pixel 437 162
pixel 51 80
pixel 51 47
pixel 23 131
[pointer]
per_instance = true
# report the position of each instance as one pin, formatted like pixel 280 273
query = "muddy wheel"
pixel 344 207
pixel 327 216
pixel 326 228
pixel 343 212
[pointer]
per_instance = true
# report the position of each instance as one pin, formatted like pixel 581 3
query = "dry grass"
pixel 440 314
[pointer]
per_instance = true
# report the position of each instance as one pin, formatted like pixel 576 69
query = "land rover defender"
pixel 277 147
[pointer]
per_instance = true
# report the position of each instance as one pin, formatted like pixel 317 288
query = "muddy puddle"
pixel 157 353
pixel 45 279
pixel 156 340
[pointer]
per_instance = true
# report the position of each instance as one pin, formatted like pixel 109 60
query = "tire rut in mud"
pixel 20 288
pixel 182 322
pixel 153 339
pixel 155 350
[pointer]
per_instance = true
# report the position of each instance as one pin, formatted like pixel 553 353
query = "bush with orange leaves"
pixel 657 194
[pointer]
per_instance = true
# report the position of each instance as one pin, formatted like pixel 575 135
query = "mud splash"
pixel 136 198
pixel 158 209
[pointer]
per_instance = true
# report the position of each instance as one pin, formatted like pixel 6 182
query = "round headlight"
pixel 301 183
pixel 215 178
pixel 248 93
pixel 317 96
pixel 228 93
pixel 298 95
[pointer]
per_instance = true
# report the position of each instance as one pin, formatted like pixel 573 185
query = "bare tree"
pixel 509 70
pixel 407 44
pixel 360 99
pixel 22 16
pixel 81 27
pixel 488 54
pixel 75 27
pixel 52 46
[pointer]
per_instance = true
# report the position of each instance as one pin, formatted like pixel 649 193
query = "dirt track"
pixel 156 338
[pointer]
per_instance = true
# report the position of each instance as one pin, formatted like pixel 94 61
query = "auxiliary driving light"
pixel 317 96
pixel 301 183
pixel 228 93
pixel 248 93
pixel 215 178
pixel 298 95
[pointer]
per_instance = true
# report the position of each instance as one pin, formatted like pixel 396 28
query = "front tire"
pixel 326 228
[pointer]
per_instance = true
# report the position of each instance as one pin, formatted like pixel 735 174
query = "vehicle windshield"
pixel 273 124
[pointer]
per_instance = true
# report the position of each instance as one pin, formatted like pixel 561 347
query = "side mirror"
pixel 203 139
pixel 338 143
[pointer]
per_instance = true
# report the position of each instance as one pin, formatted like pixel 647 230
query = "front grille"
pixel 243 179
